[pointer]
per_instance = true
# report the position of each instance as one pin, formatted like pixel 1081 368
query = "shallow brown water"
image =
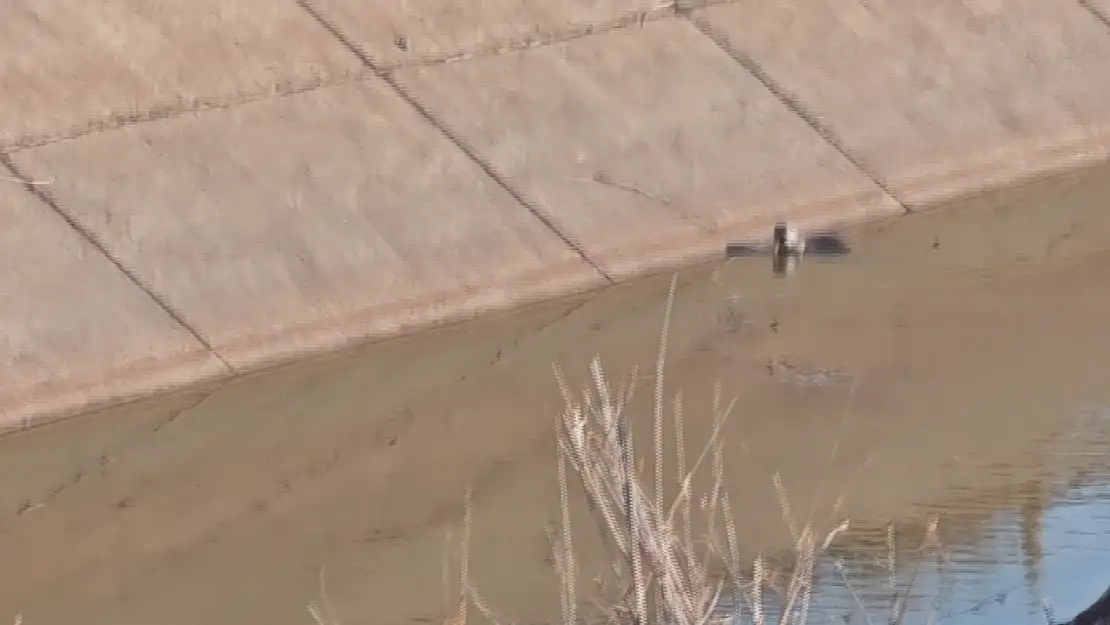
pixel 954 363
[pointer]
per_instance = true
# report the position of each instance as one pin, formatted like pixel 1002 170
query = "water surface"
pixel 953 364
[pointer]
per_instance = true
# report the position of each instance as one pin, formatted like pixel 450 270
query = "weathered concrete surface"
pixel 649 145
pixel 68 67
pixel 74 332
pixel 944 97
pixel 393 33
pixel 308 222
pixel 297 225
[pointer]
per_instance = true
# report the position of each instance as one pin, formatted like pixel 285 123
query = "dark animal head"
pixel 778 239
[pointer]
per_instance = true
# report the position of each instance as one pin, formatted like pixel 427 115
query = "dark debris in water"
pixel 806 375
pixel 1097 614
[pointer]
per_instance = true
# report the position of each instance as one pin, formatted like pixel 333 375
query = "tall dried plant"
pixel 667 572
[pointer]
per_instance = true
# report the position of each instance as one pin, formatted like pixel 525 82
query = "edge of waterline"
pixel 36 410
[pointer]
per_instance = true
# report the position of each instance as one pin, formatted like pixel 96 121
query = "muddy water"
pixel 954 363
pixel 1033 553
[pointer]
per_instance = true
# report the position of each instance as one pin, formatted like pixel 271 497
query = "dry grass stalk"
pixel 899 593
pixel 322 612
pixel 666 573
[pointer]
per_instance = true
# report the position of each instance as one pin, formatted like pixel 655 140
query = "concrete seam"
pixel 39 192
pixel 795 105
pixel 282 89
pixel 125 119
pixel 455 139
pixel 540 39
pixel 1096 12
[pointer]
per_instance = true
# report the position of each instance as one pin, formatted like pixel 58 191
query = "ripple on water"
pixel 1015 567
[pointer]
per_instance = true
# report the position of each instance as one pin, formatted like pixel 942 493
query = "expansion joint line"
pixel 40 193
pixel 798 108
pixel 487 168
pixel 1098 14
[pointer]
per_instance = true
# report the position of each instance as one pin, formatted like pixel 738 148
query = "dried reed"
pixel 666 573
pixel 670 568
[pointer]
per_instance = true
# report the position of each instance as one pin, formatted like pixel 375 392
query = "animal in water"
pixel 787 245
pixel 785 241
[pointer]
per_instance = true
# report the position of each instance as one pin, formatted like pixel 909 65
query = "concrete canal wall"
pixel 196 190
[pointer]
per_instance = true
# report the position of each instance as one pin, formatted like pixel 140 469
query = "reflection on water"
pixel 1042 558
pixel 942 360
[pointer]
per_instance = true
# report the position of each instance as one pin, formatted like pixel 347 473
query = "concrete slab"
pixel 74 332
pixel 414 31
pixel 67 66
pixel 301 224
pixel 941 99
pixel 651 146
